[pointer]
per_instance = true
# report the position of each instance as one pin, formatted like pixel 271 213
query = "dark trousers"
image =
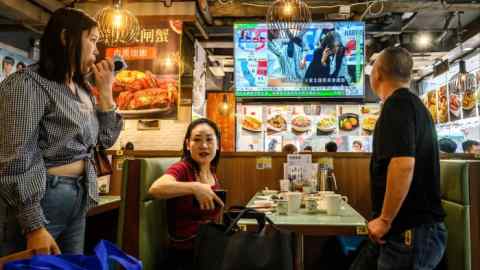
pixel 423 252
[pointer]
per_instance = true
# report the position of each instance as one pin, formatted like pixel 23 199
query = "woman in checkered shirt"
pixel 49 124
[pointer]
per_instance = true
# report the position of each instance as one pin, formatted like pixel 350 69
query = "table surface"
pixel 348 217
pixel 105 203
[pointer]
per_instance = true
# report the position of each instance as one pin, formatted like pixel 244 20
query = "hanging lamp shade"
pixel 117 25
pixel 289 18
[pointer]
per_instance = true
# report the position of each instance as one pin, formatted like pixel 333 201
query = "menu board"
pixel 270 127
pixel 455 99
pixel 149 87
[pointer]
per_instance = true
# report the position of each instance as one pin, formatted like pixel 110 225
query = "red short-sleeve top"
pixel 183 215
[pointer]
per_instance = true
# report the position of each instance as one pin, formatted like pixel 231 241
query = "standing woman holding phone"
pixel 189 185
pixel 49 125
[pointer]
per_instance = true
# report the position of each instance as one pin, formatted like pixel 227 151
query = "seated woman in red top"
pixel 189 187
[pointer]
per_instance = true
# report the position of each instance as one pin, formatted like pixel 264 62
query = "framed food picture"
pixel 369 114
pixel 250 128
pixel 442 105
pixel 326 124
pixel 454 100
pixel 469 106
pixel 348 119
pixel 150 86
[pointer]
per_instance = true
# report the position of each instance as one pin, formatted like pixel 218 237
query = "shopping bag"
pixel 106 255
pixel 225 247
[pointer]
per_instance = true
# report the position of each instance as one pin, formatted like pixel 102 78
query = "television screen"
pixel 325 60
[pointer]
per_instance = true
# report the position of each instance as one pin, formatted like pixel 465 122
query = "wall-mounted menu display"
pixel 269 127
pixel 150 86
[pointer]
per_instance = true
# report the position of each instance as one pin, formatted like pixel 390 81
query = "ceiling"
pixel 389 23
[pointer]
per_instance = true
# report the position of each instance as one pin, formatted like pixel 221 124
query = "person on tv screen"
pixel 285 59
pixel 328 66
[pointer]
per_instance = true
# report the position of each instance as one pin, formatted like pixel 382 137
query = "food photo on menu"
pixel 327 120
pixel 250 128
pixel 468 98
pixel 135 90
pixel 454 100
pixel 369 117
pixel 300 123
pixel 431 104
pixel 276 119
pixel 348 119
pixel 478 91
pixel 442 105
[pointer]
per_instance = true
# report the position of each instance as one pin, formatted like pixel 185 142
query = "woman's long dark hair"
pixel 57 61
pixel 186 154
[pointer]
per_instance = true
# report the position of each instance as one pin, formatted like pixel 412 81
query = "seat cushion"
pixel 454 181
pixel 458 244
pixel 153 226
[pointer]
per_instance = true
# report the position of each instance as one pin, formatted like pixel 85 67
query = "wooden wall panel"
pixel 223 116
pixel 240 176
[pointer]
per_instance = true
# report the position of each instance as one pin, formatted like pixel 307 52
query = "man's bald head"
pixel 395 64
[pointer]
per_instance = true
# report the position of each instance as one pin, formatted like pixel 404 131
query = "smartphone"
pixel 221 193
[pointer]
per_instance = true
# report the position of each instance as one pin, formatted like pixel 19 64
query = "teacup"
pixel 333 203
pixel 294 201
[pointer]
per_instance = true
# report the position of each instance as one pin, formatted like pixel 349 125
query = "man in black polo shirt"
pixel 407 231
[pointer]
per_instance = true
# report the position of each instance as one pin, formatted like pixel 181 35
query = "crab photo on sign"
pixel 150 85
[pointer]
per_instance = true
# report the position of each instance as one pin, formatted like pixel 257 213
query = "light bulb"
pixel 117 20
pixel 168 62
pixel 424 40
pixel 287 9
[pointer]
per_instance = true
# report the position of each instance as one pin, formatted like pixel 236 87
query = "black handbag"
pixel 225 247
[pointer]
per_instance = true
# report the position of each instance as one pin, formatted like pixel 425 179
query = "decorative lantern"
pixel 117 25
pixel 289 18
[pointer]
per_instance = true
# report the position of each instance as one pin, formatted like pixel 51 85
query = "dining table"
pixel 304 223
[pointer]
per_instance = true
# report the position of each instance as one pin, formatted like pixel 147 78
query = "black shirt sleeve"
pixel 397 132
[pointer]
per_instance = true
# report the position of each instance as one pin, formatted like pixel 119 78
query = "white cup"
pixel 284 185
pixel 294 201
pixel 333 203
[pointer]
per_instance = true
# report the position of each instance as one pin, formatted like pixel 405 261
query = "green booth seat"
pixel 459 180
pixel 143 230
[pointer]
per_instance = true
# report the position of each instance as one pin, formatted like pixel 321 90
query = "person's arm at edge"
pixel 399 179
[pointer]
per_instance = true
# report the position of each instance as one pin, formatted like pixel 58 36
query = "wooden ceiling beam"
pixel 24 12
pixel 185 11
pixel 50 5
pixel 245 10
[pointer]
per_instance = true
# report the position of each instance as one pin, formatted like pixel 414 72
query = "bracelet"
pixel 112 109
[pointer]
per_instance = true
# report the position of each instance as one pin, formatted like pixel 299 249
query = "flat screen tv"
pixel 325 60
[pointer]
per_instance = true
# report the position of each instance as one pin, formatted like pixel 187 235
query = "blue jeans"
pixel 427 246
pixel 64 206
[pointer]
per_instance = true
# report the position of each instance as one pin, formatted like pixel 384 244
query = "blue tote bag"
pixel 106 255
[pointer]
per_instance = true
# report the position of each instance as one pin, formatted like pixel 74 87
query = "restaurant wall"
pixel 239 174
